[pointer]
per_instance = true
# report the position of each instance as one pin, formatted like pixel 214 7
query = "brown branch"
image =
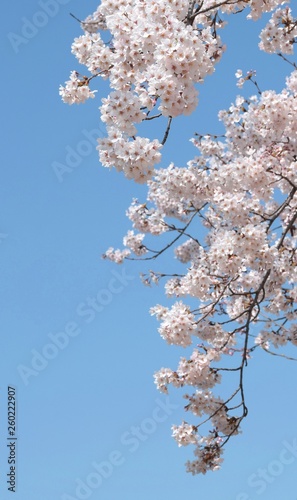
pixel 288 228
pixel 287 60
pixel 152 117
pixel 159 252
pixel 279 355
pixel 167 131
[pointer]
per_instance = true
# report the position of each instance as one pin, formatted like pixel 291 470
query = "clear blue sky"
pixel 77 411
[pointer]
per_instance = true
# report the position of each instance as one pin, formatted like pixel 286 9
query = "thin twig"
pixel 279 355
pixel 153 117
pixel 287 60
pixel 167 131
pixel 74 17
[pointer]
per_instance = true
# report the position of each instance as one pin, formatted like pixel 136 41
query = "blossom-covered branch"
pixel 238 292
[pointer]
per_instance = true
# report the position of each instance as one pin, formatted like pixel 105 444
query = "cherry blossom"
pixel 229 216
pixel 76 89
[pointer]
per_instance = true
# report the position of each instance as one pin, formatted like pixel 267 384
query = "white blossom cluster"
pixel 246 261
pixel 76 89
pixel 134 242
pixel 147 220
pixel 153 61
pixel 136 158
pixel 280 33
pixel 196 371
pixel 208 454
pixel 155 55
pixel 184 434
pixel 242 188
pixel 178 324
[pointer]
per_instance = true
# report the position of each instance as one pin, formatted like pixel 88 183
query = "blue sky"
pixel 92 405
